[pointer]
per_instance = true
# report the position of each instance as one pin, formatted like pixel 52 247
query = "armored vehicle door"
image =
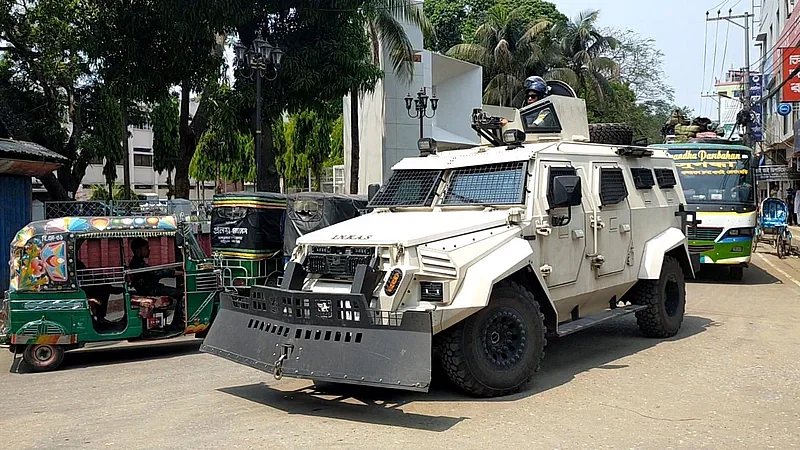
pixel 562 239
pixel 614 234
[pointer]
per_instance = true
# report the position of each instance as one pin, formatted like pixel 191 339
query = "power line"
pixel 718 6
pixel 705 55
pixel 725 52
pixel 716 39
pixel 777 45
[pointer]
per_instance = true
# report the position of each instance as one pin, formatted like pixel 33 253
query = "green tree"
pixel 105 137
pixel 640 65
pixel 142 48
pixel 455 21
pixel 224 151
pixel 45 81
pixel 311 143
pixel 581 62
pixel 620 105
pixel 165 120
pixel 509 48
pixel 337 143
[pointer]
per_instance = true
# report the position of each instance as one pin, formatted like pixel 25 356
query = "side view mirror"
pixel 372 189
pixel 566 194
pixel 566 191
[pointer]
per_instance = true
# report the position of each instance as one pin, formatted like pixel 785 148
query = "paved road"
pixel 729 380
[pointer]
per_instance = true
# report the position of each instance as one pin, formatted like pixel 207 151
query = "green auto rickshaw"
pixel 79 280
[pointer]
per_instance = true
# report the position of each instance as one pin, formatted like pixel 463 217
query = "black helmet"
pixel 538 85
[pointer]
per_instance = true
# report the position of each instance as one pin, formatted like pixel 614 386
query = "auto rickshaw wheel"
pixel 43 357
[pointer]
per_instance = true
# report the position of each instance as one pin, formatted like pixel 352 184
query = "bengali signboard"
pixel 776 173
pixel 756 88
pixel 791 60
pixel 711 162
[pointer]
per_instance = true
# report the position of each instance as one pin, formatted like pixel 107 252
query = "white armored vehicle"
pixel 472 258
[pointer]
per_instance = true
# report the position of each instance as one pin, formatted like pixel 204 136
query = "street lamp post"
pixel 263 61
pixel 421 107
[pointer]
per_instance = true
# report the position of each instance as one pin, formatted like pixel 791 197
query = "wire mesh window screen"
pixel 612 186
pixel 666 178
pixel 494 184
pixel 408 188
pixel 643 178
pixel 553 173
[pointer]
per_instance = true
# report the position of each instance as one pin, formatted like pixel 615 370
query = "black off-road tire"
pixel 736 273
pixel 482 362
pixel 611 133
pixel 665 299
pixel 43 357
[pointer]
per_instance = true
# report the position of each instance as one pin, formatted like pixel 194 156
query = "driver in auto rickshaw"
pixel 149 284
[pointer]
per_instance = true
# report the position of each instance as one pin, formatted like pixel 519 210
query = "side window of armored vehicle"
pixel 554 172
pixel 541 119
pixel 494 184
pixel 612 186
pixel 408 188
pixel 643 178
pixel 666 178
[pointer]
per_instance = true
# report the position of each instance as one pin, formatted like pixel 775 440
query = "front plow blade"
pixel 326 337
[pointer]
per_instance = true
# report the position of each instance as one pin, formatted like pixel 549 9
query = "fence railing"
pixel 194 209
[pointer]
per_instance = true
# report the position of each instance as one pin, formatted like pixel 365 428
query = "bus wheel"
pixel 737 273
pixel 43 357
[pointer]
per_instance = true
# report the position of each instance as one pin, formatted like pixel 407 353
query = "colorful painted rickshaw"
pixel 78 280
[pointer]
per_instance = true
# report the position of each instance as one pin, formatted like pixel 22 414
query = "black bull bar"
pixel 323 336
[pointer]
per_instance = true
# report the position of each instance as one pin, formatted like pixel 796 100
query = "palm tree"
pixel 509 49
pixel 382 25
pixel 581 47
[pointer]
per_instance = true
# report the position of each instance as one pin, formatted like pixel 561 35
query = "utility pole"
pixel 746 78
pixel 715 96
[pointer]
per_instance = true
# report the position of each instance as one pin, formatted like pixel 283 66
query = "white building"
pixel 778 24
pixel 778 28
pixel 144 179
pixel 388 134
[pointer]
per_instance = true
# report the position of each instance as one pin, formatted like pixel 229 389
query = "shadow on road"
pixel 355 404
pixel 753 276
pixel 595 348
pixel 118 354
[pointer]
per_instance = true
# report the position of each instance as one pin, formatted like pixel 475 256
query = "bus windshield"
pixel 715 176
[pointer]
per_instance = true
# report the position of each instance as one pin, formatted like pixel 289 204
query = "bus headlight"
pixel 736 232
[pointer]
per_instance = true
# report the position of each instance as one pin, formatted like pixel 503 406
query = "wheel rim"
pixel 504 338
pixel 43 354
pixel 672 298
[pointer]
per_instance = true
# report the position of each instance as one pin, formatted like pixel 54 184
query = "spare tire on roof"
pixel 611 133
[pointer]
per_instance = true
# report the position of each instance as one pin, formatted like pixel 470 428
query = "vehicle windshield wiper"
pixel 467 200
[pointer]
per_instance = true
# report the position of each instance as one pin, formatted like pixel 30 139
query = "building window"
pixel 97 160
pixel 142 150
pixel 140 160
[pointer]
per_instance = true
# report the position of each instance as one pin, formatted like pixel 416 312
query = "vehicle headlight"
pixel 735 232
